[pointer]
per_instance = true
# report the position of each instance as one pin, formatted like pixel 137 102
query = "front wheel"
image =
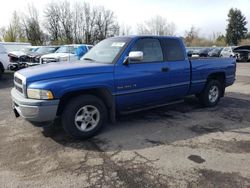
pixel 211 93
pixel 84 116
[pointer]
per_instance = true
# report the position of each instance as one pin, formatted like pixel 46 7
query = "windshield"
pixel 66 49
pixel 106 50
pixel 46 50
pixel 216 50
pixel 30 49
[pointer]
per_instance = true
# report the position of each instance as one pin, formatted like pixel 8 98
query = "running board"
pixel 152 107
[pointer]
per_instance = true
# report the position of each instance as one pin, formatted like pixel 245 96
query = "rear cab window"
pixel 173 50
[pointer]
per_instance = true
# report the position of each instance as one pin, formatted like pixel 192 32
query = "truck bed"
pixel 202 67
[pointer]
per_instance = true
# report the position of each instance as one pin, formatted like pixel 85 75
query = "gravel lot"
pixel 179 146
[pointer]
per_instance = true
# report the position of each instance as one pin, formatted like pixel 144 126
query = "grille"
pixel 19 89
pixel 18 80
pixel 19 83
pixel 49 60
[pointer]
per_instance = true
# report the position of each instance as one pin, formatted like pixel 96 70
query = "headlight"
pixel 64 59
pixel 39 94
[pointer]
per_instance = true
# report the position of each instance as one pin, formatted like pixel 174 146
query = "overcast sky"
pixel 209 16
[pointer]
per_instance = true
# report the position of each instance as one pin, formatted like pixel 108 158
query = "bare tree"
pixel 52 22
pixel 14 32
pixel 66 22
pixel 90 22
pixel 171 29
pixel 156 26
pixel 142 29
pixel 106 24
pixel 191 35
pixel 78 23
pixel 32 26
pixel 125 30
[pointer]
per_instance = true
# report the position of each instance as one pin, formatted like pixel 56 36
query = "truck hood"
pixel 17 53
pixel 65 69
pixel 57 55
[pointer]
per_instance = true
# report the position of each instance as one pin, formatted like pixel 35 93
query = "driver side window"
pixel 151 49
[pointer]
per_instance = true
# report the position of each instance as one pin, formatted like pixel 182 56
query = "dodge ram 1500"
pixel 118 75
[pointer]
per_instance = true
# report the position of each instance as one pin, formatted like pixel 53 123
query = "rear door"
pixel 143 83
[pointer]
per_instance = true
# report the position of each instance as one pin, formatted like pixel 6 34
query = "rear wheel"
pixel 84 116
pixel 211 94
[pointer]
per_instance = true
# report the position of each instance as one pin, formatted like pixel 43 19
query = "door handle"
pixel 164 69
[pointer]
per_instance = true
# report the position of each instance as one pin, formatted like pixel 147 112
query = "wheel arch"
pixel 102 93
pixel 221 77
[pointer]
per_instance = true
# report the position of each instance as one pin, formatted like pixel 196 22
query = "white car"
pixel 64 53
pixel 14 46
pixel 228 52
pixel 23 51
pixel 4 59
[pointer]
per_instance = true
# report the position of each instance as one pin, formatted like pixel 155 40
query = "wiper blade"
pixel 88 59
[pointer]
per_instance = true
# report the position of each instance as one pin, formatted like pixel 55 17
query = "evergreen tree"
pixel 236 28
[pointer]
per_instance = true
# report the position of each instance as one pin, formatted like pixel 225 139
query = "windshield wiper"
pixel 88 59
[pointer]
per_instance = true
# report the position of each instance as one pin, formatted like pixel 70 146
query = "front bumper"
pixel 34 110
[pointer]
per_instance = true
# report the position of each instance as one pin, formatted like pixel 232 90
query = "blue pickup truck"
pixel 119 75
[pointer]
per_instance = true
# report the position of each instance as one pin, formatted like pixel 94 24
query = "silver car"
pixel 228 52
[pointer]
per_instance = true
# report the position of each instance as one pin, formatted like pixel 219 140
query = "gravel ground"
pixel 177 146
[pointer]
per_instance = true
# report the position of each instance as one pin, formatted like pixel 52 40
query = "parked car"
pixel 4 60
pixel 119 75
pixel 228 52
pixel 19 59
pixel 203 52
pixel 33 58
pixel 189 51
pixel 242 53
pixel 64 53
pixel 14 46
pixel 215 52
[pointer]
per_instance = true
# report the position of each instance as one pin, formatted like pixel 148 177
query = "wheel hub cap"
pixel 213 94
pixel 87 118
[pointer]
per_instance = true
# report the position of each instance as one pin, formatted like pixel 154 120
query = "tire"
pixel 1 69
pixel 211 94
pixel 84 116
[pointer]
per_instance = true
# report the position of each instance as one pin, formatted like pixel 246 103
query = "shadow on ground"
pixel 162 126
pixel 6 81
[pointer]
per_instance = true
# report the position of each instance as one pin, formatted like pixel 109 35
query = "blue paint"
pixel 132 85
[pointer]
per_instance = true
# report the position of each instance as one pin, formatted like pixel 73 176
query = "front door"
pixel 143 83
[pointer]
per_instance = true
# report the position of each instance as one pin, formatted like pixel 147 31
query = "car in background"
pixel 242 53
pixel 88 46
pixel 64 53
pixel 4 60
pixel 14 46
pixel 189 51
pixel 215 52
pixel 203 52
pixel 33 58
pixel 18 59
pixel 228 51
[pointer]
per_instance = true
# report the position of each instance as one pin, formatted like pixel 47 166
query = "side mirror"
pixel 134 56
